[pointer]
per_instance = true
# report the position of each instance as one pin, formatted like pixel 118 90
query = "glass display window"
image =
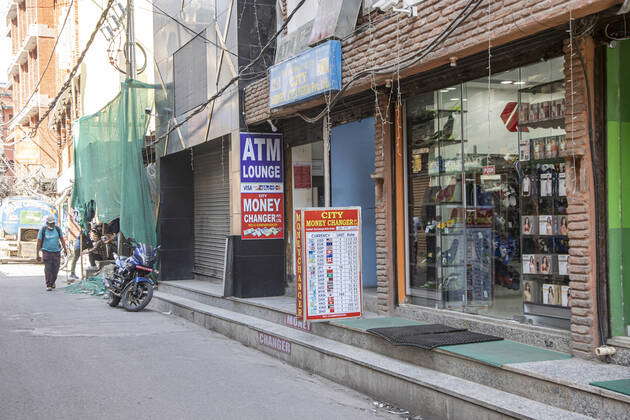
pixel 308 175
pixel 486 196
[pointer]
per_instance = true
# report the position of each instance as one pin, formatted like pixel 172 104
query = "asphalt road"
pixel 65 356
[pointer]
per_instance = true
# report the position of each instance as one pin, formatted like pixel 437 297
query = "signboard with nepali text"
pixel 328 263
pixel 310 73
pixel 262 186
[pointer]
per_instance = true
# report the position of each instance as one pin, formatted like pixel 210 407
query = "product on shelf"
pixel 544 111
pixel 551 147
pixel 562 184
pixel 547 225
pixel 533 112
pixel 546 183
pixel 558 108
pixel 565 295
pixel 523 113
pixel 530 264
pixel 551 294
pixel 524 150
pixel 546 264
pixel 563 225
pixel 531 291
pixel 563 265
pixel 529 225
pixel 538 145
pixel 527 186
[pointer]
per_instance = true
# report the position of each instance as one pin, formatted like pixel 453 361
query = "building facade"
pixel 474 135
pixel 202 65
pixel 6 107
pixel 31 27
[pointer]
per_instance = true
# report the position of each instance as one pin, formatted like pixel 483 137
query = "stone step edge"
pixel 490 398
pixel 246 301
pixel 508 367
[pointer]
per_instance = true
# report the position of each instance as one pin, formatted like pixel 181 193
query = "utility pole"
pixel 131 42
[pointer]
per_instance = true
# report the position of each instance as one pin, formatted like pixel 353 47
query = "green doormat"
pixel 621 386
pixel 364 324
pixel 499 353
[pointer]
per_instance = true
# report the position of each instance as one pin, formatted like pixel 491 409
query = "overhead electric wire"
pixel 220 92
pixel 410 60
pixel 65 20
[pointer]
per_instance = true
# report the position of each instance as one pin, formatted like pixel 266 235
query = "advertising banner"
pixel 308 74
pixel 330 243
pixel 298 264
pixel 262 216
pixel 262 186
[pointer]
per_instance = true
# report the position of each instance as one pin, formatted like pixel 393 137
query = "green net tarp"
pixel 90 286
pixel 109 168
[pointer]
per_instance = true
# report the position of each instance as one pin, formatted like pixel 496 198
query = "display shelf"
pixel 546 277
pixel 425 292
pixel 450 203
pixel 558 159
pixel 550 123
pixel 554 311
pixel 431 142
pixel 546 236
pixel 465 171
pixel 548 87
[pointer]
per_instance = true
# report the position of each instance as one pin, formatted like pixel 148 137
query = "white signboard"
pixel 330 263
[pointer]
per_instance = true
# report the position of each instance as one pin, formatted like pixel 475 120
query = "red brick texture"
pixel 388 38
pixel 581 199
pixel 385 255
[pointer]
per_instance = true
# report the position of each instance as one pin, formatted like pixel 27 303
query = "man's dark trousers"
pixel 52 260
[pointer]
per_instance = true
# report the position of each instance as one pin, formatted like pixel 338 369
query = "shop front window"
pixel 308 175
pixel 487 198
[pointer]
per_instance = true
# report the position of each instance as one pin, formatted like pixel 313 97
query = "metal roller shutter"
pixel 212 208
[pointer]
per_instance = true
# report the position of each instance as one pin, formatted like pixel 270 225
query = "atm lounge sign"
pixel 262 186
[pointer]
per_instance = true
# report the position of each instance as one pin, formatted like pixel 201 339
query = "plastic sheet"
pixel 109 169
pixel 90 286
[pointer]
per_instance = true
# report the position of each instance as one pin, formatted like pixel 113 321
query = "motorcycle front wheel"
pixel 112 299
pixel 136 297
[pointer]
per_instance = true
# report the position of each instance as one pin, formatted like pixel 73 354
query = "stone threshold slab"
pixel 493 399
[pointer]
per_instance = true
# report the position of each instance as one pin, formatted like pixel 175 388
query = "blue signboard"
pixel 308 74
pixel 261 158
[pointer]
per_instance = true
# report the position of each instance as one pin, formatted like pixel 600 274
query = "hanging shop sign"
pixel 262 186
pixel 328 263
pixel 308 74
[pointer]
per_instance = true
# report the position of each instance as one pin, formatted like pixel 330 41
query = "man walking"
pixel 49 241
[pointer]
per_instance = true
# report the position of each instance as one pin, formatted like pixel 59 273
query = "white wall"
pixel 100 81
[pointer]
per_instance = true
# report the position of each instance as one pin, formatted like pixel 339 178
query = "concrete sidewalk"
pixel 71 356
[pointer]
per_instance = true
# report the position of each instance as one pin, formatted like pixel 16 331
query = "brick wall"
pixel 581 199
pixel 387 38
pixel 385 272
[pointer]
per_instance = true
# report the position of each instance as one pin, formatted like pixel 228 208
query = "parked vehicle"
pixel 133 278
pixel 21 218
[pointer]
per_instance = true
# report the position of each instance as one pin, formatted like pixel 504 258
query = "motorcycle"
pixel 132 280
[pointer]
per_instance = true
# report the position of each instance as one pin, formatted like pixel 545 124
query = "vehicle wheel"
pixel 112 299
pixel 137 296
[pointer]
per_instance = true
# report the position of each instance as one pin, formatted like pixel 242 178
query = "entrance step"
pixel 430 393
pixel 545 376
